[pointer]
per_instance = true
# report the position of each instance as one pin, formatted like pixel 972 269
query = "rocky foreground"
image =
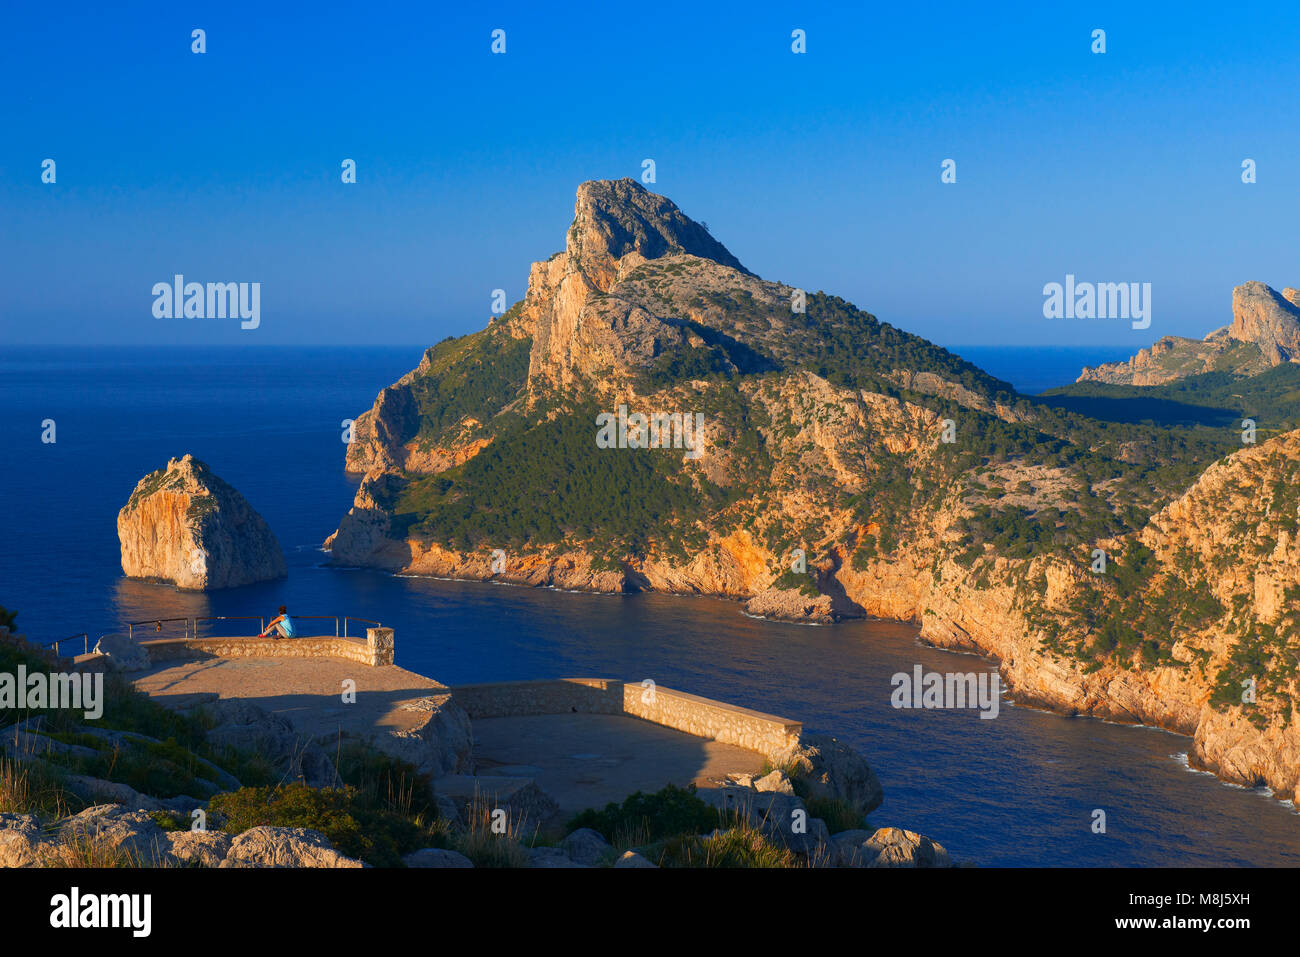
pixel 112 835
pixel 185 525
pixel 119 790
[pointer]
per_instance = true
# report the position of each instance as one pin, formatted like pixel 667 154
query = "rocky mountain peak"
pixel 581 326
pixel 614 217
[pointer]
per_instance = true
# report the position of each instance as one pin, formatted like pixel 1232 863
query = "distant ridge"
pixel 1265 332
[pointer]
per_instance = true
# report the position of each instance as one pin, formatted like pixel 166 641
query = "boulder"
pixel 783 818
pixel 121 653
pixel 436 857
pixel 242 724
pixel 134 833
pixel 447 809
pixel 888 847
pixel 633 859
pixel 284 847
pixel 586 846
pixel 184 525
pixel 526 804
pixel 22 842
pixel 100 791
pixel 200 848
pixel 776 782
pixel 829 769
pixel 551 857
pixel 27 739
pixel 791 604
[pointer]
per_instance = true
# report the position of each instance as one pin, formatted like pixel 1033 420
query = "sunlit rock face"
pixel 184 525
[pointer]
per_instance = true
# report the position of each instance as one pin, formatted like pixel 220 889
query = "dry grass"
pixel 31 787
pixel 742 846
pixel 85 851
pixel 487 847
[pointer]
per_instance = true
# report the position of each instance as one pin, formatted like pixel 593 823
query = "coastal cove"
pixel 1018 790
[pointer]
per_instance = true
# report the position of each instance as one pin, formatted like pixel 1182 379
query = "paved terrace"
pixel 580 739
pixel 306 691
pixel 589 760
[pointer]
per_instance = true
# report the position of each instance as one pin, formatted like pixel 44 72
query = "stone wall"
pixel 374 650
pixel 766 734
pixel 705 718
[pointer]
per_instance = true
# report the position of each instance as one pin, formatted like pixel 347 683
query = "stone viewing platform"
pixel 553 746
pixel 541 751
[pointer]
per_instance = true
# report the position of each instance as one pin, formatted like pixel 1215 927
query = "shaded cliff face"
pixel 841 467
pixel 184 525
pixel 1265 332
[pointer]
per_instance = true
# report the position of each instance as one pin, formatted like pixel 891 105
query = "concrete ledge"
pixel 767 734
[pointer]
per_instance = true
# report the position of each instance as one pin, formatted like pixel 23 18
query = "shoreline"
pixel 1011 690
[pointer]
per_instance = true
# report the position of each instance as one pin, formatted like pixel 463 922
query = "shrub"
pixel 643 818
pixel 839 815
pixel 741 846
pixel 352 822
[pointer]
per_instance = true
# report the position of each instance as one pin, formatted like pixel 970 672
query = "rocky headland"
pixel 848 469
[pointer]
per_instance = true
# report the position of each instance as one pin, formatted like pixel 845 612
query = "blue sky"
pixel 821 170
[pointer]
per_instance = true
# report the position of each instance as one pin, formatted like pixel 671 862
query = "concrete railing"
pixel 767 734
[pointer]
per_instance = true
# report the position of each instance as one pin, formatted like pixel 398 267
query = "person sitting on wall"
pixel 282 625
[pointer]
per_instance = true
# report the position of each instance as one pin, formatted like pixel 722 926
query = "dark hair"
pixel 281 610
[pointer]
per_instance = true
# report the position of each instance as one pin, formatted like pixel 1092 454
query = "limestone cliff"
pixel 843 468
pixel 1265 332
pixel 184 525
pixel 1269 320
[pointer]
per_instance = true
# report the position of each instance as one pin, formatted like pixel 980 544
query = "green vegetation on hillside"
pixel 474 375
pixel 544 481
pixel 1213 400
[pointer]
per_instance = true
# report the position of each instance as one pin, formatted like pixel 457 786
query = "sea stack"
pixel 184 525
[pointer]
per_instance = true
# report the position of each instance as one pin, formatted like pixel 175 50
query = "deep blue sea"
pixel 1018 790
pixel 1031 369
